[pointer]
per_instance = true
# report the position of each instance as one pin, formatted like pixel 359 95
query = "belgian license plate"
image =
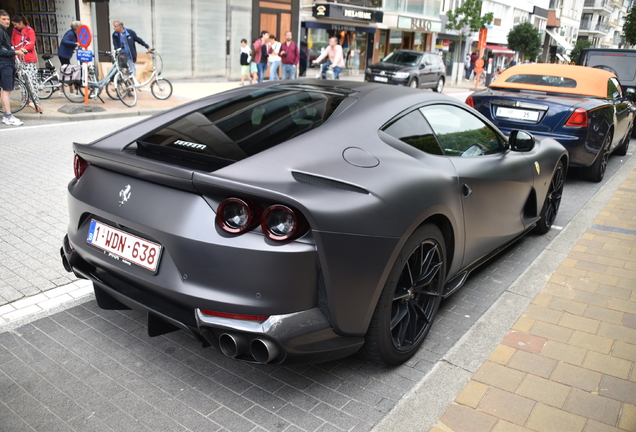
pixel 381 79
pixel 517 114
pixel 124 246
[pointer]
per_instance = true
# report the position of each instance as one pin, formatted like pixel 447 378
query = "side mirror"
pixel 521 141
pixel 422 66
pixel 630 94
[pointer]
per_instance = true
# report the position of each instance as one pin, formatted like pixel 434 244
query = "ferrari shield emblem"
pixel 536 165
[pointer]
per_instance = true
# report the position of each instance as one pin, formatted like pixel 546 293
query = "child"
pixel 246 58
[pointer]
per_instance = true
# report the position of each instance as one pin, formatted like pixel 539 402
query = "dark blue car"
pixel 583 108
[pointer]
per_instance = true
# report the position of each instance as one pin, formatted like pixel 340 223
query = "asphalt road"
pixel 88 369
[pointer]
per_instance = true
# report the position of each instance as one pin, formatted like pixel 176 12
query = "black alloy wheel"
pixel 413 83
pixel 552 200
pixel 409 302
pixel 596 171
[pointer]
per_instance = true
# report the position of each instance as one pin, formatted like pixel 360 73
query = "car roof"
pixel 589 81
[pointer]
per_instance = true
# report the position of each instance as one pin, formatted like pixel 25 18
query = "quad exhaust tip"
pixel 262 350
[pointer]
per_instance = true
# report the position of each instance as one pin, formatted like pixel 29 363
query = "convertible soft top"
pixel 556 78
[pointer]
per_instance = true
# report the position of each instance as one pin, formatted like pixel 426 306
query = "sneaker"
pixel 12 121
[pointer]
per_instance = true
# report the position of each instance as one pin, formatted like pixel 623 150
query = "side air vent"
pixel 325 182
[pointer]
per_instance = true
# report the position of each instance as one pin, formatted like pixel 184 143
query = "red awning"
pixel 501 50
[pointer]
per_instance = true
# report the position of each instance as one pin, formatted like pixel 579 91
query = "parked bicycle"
pixel 160 88
pixel 116 79
pixel 48 78
pixel 23 88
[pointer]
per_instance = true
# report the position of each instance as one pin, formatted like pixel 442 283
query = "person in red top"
pixel 25 35
pixel 290 55
pixel 260 54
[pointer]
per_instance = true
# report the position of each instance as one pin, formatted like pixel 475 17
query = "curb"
pixel 424 404
pixel 92 116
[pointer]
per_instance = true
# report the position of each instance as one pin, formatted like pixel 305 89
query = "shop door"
pixel 407 40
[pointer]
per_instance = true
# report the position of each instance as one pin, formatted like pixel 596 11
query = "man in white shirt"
pixel 336 59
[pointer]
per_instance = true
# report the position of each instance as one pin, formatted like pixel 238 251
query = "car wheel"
pixel 410 299
pixel 622 150
pixel 552 200
pixel 440 86
pixel 596 171
pixel 413 83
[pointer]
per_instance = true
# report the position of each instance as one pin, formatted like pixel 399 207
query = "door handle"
pixel 466 190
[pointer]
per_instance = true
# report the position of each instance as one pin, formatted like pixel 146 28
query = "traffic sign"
pixel 84 55
pixel 84 36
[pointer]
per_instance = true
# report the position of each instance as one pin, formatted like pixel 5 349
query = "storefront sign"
pixel 338 27
pixel 330 10
pixel 419 24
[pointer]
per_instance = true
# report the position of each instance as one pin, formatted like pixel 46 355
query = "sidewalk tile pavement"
pixel 569 362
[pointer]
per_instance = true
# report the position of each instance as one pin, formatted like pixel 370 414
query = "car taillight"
pixel 79 166
pixel 578 118
pixel 470 102
pixel 282 223
pixel 235 316
pixel 236 216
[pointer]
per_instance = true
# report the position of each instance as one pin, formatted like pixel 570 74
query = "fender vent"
pixel 325 182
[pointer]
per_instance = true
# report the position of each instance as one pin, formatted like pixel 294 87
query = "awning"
pixel 559 39
pixel 498 49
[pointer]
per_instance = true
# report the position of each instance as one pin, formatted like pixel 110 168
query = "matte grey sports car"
pixel 303 221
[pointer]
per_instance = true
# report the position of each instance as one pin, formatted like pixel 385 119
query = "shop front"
pixel 355 28
pixel 407 32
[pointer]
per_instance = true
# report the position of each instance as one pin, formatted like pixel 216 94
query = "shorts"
pixel 7 76
pixel 253 68
pixel 245 70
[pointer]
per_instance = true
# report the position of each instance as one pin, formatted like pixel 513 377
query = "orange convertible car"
pixel 583 108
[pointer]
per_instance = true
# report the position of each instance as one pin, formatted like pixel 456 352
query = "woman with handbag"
pixel 24 36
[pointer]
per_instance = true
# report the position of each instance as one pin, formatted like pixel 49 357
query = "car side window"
pixel 461 133
pixel 428 60
pixel 412 129
pixel 614 89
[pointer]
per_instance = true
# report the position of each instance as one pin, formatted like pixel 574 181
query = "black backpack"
pixel 244 61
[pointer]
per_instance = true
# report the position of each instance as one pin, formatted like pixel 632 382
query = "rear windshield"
pixel 403 58
pixel 237 128
pixel 623 66
pixel 542 80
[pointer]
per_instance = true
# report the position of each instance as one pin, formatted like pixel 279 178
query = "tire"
pixel 413 83
pixel 18 98
pixel 552 200
pixel 405 311
pixel 125 88
pixel 440 86
pixel 73 93
pixel 46 87
pixel 622 150
pixel 110 90
pixel 161 88
pixel 596 171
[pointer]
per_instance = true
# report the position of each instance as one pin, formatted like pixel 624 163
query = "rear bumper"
pixel 299 337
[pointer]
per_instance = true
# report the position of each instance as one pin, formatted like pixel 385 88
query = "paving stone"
pixel 591 342
pixel 543 390
pixel 579 323
pixel 463 419
pixel 593 406
pixel 549 419
pixel 472 394
pixel 563 352
pixel 506 405
pixel 499 376
pixel 501 354
pixel 624 350
pixel 532 363
pixel 607 364
pixel 524 341
pixel 550 331
pixel 617 332
pixel 628 418
pixel 618 389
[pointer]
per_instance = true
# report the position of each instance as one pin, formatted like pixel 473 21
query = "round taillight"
pixel 236 216
pixel 79 166
pixel 282 223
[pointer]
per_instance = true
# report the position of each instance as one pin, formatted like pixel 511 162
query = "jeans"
pixel 273 70
pixel 289 71
pixel 336 71
pixel 262 67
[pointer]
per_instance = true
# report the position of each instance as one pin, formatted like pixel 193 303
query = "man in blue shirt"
pixel 125 39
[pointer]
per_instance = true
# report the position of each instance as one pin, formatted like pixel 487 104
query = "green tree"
pixel 580 44
pixel 629 28
pixel 466 20
pixel 526 39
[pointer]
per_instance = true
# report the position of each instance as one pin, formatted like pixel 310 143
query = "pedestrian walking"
pixel 290 56
pixel 273 50
pixel 246 60
pixel 467 67
pixel 24 36
pixel 125 39
pixel 68 44
pixel 336 61
pixel 473 59
pixel 260 54
pixel 7 69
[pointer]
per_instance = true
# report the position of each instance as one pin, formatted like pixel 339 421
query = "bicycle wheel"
pixel 110 90
pixel 73 93
pixel 46 87
pixel 18 98
pixel 126 90
pixel 161 88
